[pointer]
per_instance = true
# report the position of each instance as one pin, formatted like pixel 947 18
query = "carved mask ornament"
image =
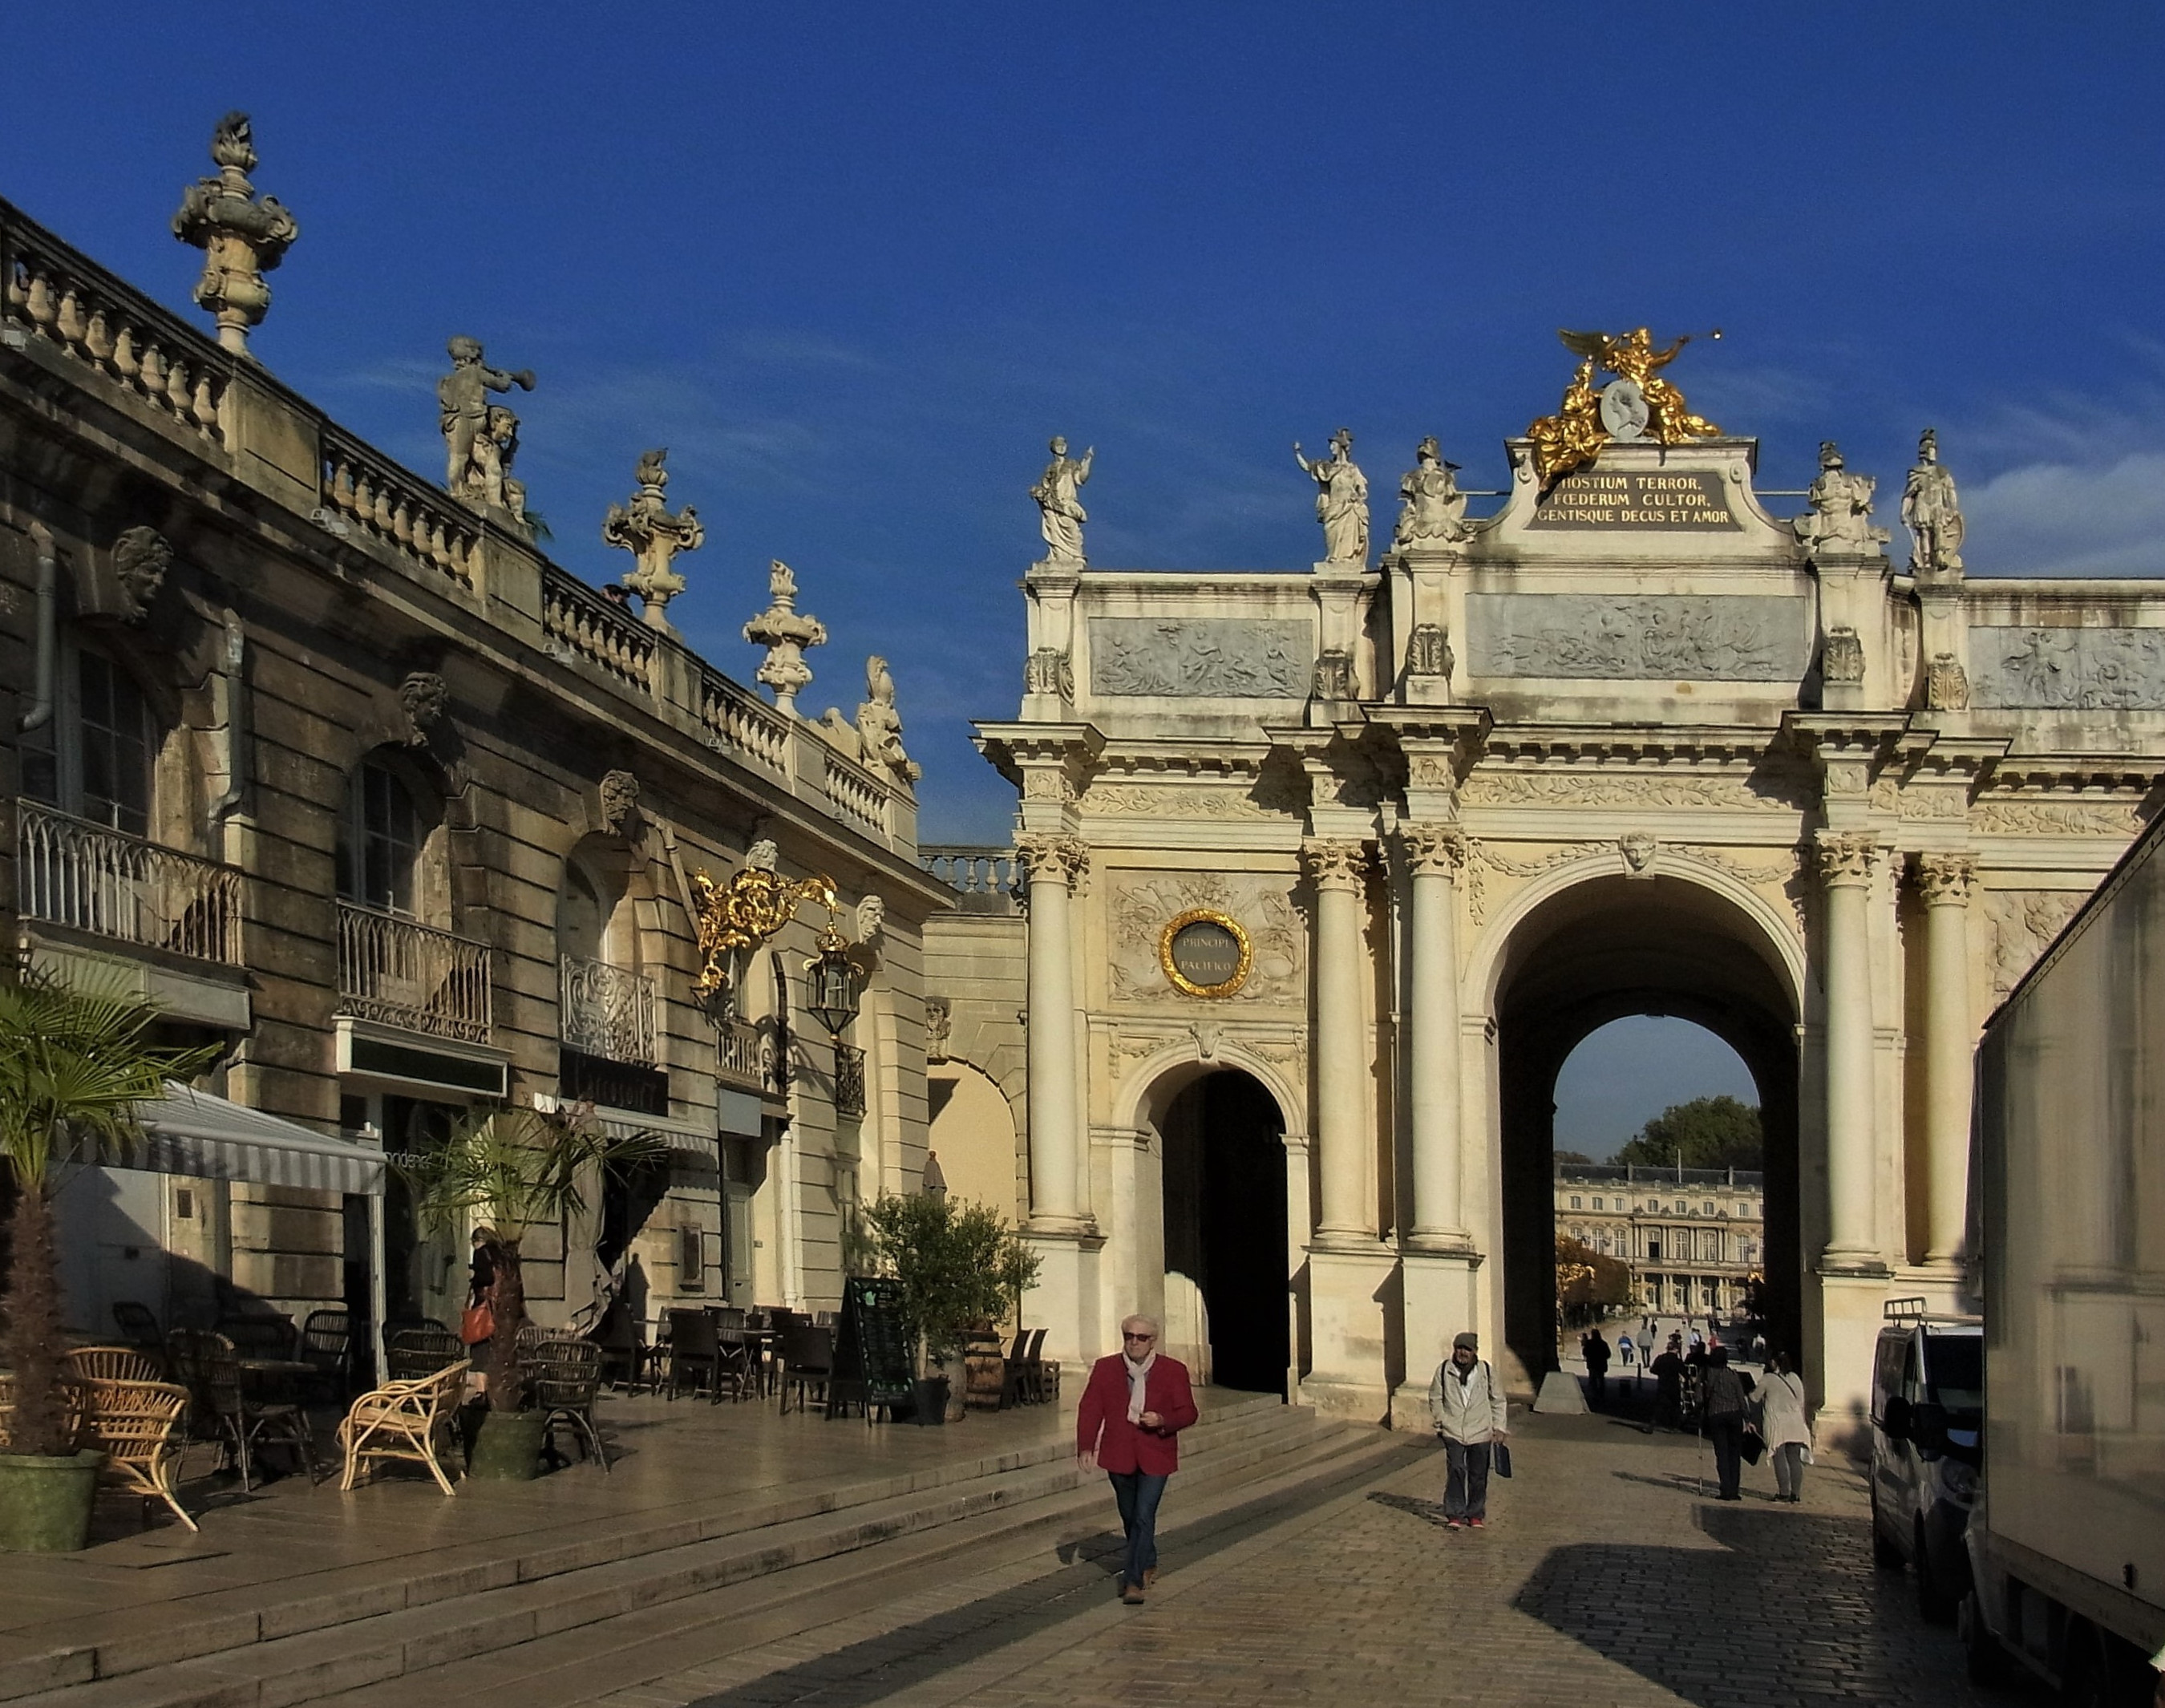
pixel 424 696
pixel 619 801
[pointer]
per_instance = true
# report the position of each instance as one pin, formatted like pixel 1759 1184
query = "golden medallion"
pixel 1205 953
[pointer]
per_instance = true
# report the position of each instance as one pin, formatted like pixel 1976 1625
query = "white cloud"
pixel 2068 518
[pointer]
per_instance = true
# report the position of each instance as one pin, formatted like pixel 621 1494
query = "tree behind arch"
pixel 1708 1132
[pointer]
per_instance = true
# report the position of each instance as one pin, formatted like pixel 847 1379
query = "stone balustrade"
pixel 368 491
pixel 90 877
pixel 857 794
pixel 738 721
pixel 49 292
pixel 987 877
pixel 581 624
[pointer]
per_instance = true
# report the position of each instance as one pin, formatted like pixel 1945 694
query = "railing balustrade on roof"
pixel 371 493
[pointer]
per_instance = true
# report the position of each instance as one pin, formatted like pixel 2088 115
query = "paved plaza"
pixel 1604 1577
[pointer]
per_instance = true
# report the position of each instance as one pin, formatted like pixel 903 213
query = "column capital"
pixel 1336 863
pixel 1945 879
pixel 1432 848
pixel 1057 859
pixel 1847 856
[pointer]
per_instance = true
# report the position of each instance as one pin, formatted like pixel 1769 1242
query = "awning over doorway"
pixel 192 1132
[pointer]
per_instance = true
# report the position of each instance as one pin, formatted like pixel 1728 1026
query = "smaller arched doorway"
pixel 1224 1198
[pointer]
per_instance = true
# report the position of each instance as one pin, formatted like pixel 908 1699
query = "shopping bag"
pixel 477 1325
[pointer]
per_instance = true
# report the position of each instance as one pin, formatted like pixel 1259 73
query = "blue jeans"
pixel 1138 1493
pixel 1466 1492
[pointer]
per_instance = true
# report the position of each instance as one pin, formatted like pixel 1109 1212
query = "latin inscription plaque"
pixel 1696 501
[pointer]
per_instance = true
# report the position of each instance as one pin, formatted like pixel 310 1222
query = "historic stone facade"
pixel 342 771
pixel 1627 743
pixel 1694 1238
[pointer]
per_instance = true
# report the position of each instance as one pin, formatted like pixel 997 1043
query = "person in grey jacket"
pixel 1470 1416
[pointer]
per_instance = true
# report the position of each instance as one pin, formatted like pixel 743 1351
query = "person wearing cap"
pixel 1134 1407
pixel 1471 1418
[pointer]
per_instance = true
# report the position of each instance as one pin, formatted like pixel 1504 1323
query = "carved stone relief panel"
pixel 1173 800
pixel 1737 637
pixel 2068 669
pixel 1201 657
pixel 2048 817
pixel 1622 789
pixel 1141 902
pixel 2024 921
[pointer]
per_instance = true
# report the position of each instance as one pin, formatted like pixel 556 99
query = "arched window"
pixel 380 849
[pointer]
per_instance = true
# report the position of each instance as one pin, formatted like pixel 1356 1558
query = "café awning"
pixel 192 1132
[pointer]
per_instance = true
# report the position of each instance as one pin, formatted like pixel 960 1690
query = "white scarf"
pixel 1138 1377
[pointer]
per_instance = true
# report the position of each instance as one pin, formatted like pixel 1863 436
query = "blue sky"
pixel 853 264
pixel 1630 1070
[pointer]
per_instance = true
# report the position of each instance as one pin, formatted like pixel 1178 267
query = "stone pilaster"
pixel 1945 882
pixel 1055 863
pixel 1339 869
pixel 1435 853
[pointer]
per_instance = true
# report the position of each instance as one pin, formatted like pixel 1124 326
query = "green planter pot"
pixel 45 1503
pixel 508 1449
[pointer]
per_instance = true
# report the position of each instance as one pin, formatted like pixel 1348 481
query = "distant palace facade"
pixel 1694 1238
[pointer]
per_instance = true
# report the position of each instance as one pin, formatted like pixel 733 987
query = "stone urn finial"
pixel 785 634
pixel 645 529
pixel 243 236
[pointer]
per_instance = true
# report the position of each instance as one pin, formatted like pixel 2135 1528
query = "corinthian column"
pixel 1053 862
pixel 1847 859
pixel 1435 853
pixel 1945 880
pixel 1338 869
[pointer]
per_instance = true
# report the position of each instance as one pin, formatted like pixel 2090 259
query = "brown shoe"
pixel 1150 1577
pixel 1133 1594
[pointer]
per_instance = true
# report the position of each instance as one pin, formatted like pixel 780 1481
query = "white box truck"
pixel 2066 1544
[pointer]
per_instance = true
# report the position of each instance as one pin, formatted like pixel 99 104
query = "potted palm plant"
pixel 515 1170
pixel 958 1264
pixel 74 1064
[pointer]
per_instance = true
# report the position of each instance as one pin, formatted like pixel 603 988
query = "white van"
pixel 1927 1432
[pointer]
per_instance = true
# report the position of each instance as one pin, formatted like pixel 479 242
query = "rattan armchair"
pixel 141 1427
pixel 564 1377
pixel 112 1364
pixel 403 1421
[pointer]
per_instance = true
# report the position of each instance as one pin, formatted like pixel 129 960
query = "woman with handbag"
pixel 477 1326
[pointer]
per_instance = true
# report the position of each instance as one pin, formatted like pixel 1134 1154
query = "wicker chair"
pixel 420 1350
pixel 563 1374
pixel 808 1361
pixel 735 1350
pixel 259 1334
pixel 224 1412
pixel 327 1348
pixel 403 1421
pixel 695 1353
pixel 141 1427
pixel 112 1364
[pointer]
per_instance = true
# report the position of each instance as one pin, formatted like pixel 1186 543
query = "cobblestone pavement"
pixel 1603 1578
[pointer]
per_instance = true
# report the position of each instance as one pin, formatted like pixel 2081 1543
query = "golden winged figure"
pixel 751 907
pixel 1573 437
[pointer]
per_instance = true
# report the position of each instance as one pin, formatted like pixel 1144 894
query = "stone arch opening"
pixel 1598 951
pixel 1222 1135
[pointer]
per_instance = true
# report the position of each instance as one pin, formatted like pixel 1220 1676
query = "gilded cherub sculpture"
pixel 1638 403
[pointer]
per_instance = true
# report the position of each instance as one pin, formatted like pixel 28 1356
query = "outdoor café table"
pixel 274 1378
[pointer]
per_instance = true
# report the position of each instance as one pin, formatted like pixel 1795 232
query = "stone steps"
pixel 355 1625
pixel 577 1665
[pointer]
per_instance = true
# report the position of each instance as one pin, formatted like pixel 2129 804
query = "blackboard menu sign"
pixel 872 1361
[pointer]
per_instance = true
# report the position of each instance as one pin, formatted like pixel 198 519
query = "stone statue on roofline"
pixel 1060 507
pixel 480 438
pixel 242 235
pixel 1341 500
pixel 1932 514
pixel 1839 520
pixel 1431 510
pixel 879 725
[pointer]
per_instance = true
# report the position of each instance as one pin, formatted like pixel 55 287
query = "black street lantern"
pixel 834 983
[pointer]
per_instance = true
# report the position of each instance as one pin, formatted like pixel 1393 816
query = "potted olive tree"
pixel 74 1064
pixel 513 1170
pixel 958 1264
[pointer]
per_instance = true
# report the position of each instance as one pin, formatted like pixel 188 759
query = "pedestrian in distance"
pixel 1472 1419
pixel 1668 1384
pixel 1134 1407
pixel 1624 1349
pixel 1724 1418
pixel 1595 1349
pixel 1785 1425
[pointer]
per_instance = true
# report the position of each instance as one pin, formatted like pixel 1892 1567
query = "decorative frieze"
pixel 1735 637
pixel 1620 788
pixel 2024 923
pixel 2049 818
pixel 1200 657
pixel 2064 669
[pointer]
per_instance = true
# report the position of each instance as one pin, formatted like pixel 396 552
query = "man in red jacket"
pixel 1136 1403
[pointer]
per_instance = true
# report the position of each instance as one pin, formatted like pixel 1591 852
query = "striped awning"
pixel 191 1132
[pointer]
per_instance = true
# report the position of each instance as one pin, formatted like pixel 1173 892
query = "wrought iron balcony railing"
pixel 608 1011
pixel 90 877
pixel 401 973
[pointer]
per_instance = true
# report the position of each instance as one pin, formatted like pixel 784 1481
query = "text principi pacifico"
pixel 1203 952
pixel 1638 403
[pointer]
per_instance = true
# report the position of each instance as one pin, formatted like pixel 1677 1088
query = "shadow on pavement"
pixel 1787 1611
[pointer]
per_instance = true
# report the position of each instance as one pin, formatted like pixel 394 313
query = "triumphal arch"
pixel 1328 870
